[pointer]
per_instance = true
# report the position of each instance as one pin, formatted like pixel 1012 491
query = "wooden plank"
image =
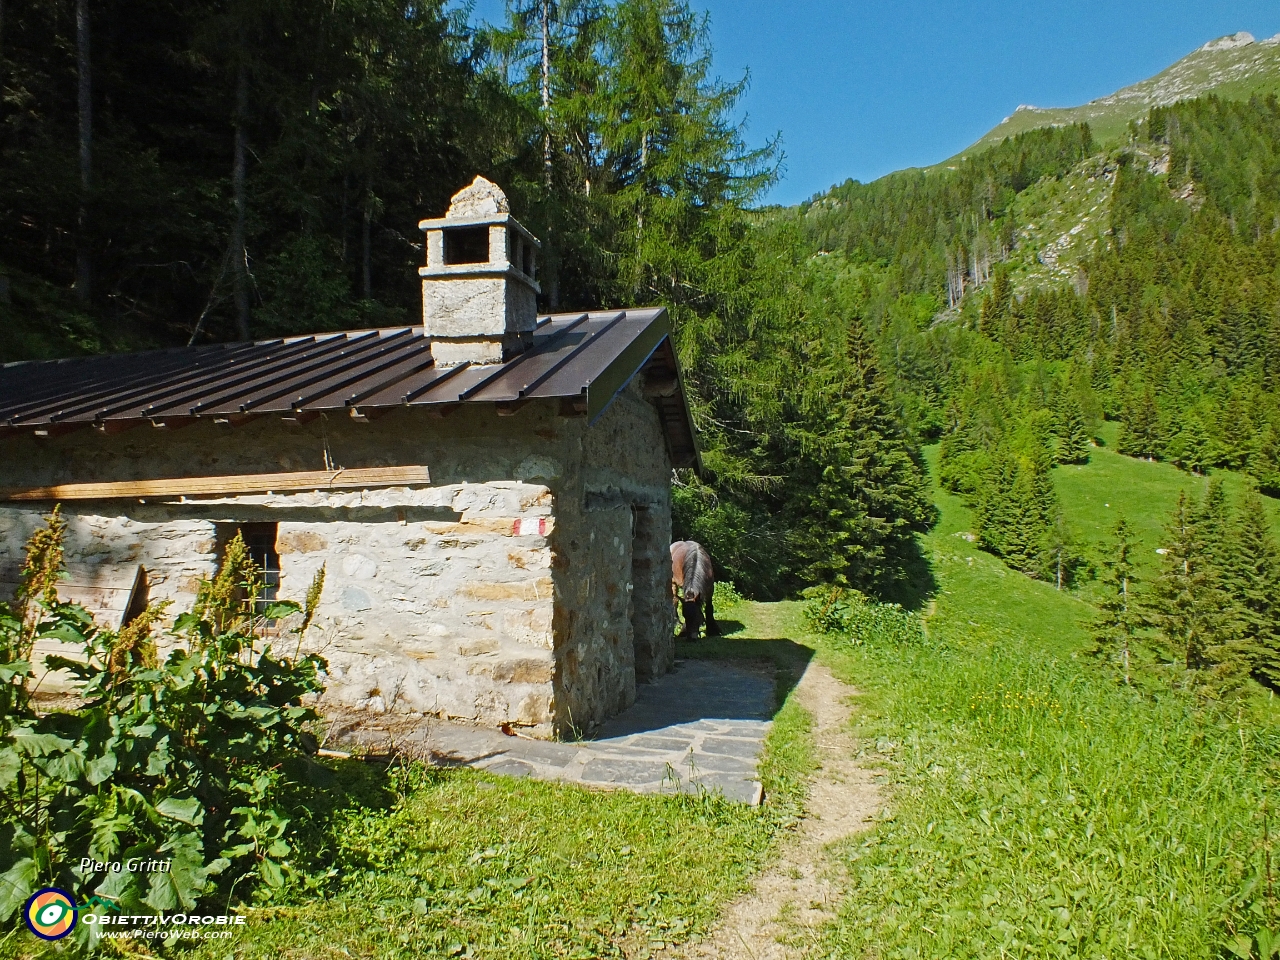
pixel 360 478
pixel 106 590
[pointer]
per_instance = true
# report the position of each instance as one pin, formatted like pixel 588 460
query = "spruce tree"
pixel 1251 575
pixel 1141 434
pixel 1073 435
pixel 1060 554
pixel 1028 528
pixel 1122 615
pixel 1212 519
pixel 1191 447
pixel 1018 510
pixel 1264 461
pixel 863 496
pixel 1187 601
pixel 996 305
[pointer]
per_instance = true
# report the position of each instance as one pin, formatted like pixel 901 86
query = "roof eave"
pixel 604 389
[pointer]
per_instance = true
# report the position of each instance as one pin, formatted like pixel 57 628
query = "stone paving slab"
pixel 700 728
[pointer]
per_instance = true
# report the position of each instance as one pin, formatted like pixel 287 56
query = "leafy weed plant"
pixel 189 761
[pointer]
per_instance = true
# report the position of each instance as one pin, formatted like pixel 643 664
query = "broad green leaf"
pixel 82 671
pixel 100 768
pixel 16 885
pixel 10 764
pixel 64 632
pixel 14 668
pixel 186 811
pixel 38 744
pixel 67 766
pixel 271 873
pixel 280 609
pixel 104 842
pixel 185 881
pixel 158 761
pixel 217 866
pixel 121 887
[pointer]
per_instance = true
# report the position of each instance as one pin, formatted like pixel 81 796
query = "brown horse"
pixel 693 583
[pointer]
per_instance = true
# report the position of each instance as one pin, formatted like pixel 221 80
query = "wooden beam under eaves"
pixel 304 481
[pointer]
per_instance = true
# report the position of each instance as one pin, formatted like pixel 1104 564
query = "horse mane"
pixel 697 572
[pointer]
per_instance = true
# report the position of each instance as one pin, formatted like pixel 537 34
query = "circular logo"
pixel 50 913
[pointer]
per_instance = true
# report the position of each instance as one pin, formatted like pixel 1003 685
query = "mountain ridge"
pixel 1234 66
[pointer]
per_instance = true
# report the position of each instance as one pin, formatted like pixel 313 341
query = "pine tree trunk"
pixel 240 256
pixel 346 212
pixel 84 96
pixel 644 162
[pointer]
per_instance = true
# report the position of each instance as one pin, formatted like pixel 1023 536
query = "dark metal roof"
pixel 582 359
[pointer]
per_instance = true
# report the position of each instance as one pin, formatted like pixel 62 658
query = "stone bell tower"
pixel 479 287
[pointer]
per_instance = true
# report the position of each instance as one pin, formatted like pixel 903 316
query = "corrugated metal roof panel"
pixel 586 358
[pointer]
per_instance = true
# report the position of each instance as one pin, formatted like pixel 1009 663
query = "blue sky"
pixel 862 89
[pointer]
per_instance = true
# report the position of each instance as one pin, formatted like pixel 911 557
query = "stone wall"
pixel 614 618
pixel 527 584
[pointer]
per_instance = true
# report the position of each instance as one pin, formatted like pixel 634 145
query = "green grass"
pixel 1096 494
pixel 1041 808
pixel 977 593
pixel 488 866
pixel 470 864
pixel 476 865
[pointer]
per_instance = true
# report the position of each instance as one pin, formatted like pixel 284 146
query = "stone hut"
pixel 489 493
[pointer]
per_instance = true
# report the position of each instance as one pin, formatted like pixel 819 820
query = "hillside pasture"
pixel 1041 808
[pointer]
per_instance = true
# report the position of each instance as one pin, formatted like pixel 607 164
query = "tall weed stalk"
pixel 188 760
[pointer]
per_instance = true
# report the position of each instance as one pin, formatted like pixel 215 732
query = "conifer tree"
pixel 1060 554
pixel 1264 461
pixel 856 521
pixel 1187 601
pixel 1251 575
pixel 1122 615
pixel 996 305
pixel 1212 519
pixel 1141 434
pixel 1190 448
pixel 1018 511
pixel 1073 435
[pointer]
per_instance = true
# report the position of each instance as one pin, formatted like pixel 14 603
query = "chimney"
pixel 479 295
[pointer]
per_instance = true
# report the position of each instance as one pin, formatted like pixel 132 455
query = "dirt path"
pixel 800 891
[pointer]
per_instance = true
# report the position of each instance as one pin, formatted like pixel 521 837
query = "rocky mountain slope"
pixel 1233 67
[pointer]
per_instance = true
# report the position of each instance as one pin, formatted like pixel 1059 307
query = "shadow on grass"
pixel 918 584
pixel 729 627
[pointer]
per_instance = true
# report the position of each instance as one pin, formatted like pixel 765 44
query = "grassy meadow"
pixel 1037 806
pixel 1096 494
pixel 1041 808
